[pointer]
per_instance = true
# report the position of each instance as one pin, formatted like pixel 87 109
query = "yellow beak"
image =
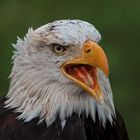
pixel 83 69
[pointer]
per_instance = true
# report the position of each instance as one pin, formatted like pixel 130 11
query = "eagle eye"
pixel 58 49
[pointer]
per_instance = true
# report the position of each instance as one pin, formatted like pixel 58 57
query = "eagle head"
pixel 59 69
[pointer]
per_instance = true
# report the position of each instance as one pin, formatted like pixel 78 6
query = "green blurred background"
pixel 118 22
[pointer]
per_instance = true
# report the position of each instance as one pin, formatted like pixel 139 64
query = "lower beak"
pixel 83 69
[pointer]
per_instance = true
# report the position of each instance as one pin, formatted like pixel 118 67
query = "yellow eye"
pixel 58 49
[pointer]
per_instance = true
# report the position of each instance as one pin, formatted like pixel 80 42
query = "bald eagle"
pixel 59 87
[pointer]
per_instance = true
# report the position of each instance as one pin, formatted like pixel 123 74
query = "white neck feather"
pixel 27 97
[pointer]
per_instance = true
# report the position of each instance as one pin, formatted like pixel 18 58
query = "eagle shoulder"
pixel 76 127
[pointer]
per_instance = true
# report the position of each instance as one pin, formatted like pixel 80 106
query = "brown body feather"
pixel 76 128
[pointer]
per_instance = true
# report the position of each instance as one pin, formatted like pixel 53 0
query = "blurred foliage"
pixel 118 22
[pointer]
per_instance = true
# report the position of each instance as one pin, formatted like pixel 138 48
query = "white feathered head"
pixel 60 69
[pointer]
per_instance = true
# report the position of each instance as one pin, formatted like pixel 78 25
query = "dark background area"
pixel 118 22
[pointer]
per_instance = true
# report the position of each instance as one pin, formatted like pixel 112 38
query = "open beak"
pixel 83 69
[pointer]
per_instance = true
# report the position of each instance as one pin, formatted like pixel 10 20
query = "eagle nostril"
pixel 88 50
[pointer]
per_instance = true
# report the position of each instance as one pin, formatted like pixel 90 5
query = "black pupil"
pixel 59 48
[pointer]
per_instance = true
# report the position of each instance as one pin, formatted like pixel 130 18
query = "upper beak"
pixel 83 69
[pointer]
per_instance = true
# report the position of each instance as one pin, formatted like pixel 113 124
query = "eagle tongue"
pixel 83 75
